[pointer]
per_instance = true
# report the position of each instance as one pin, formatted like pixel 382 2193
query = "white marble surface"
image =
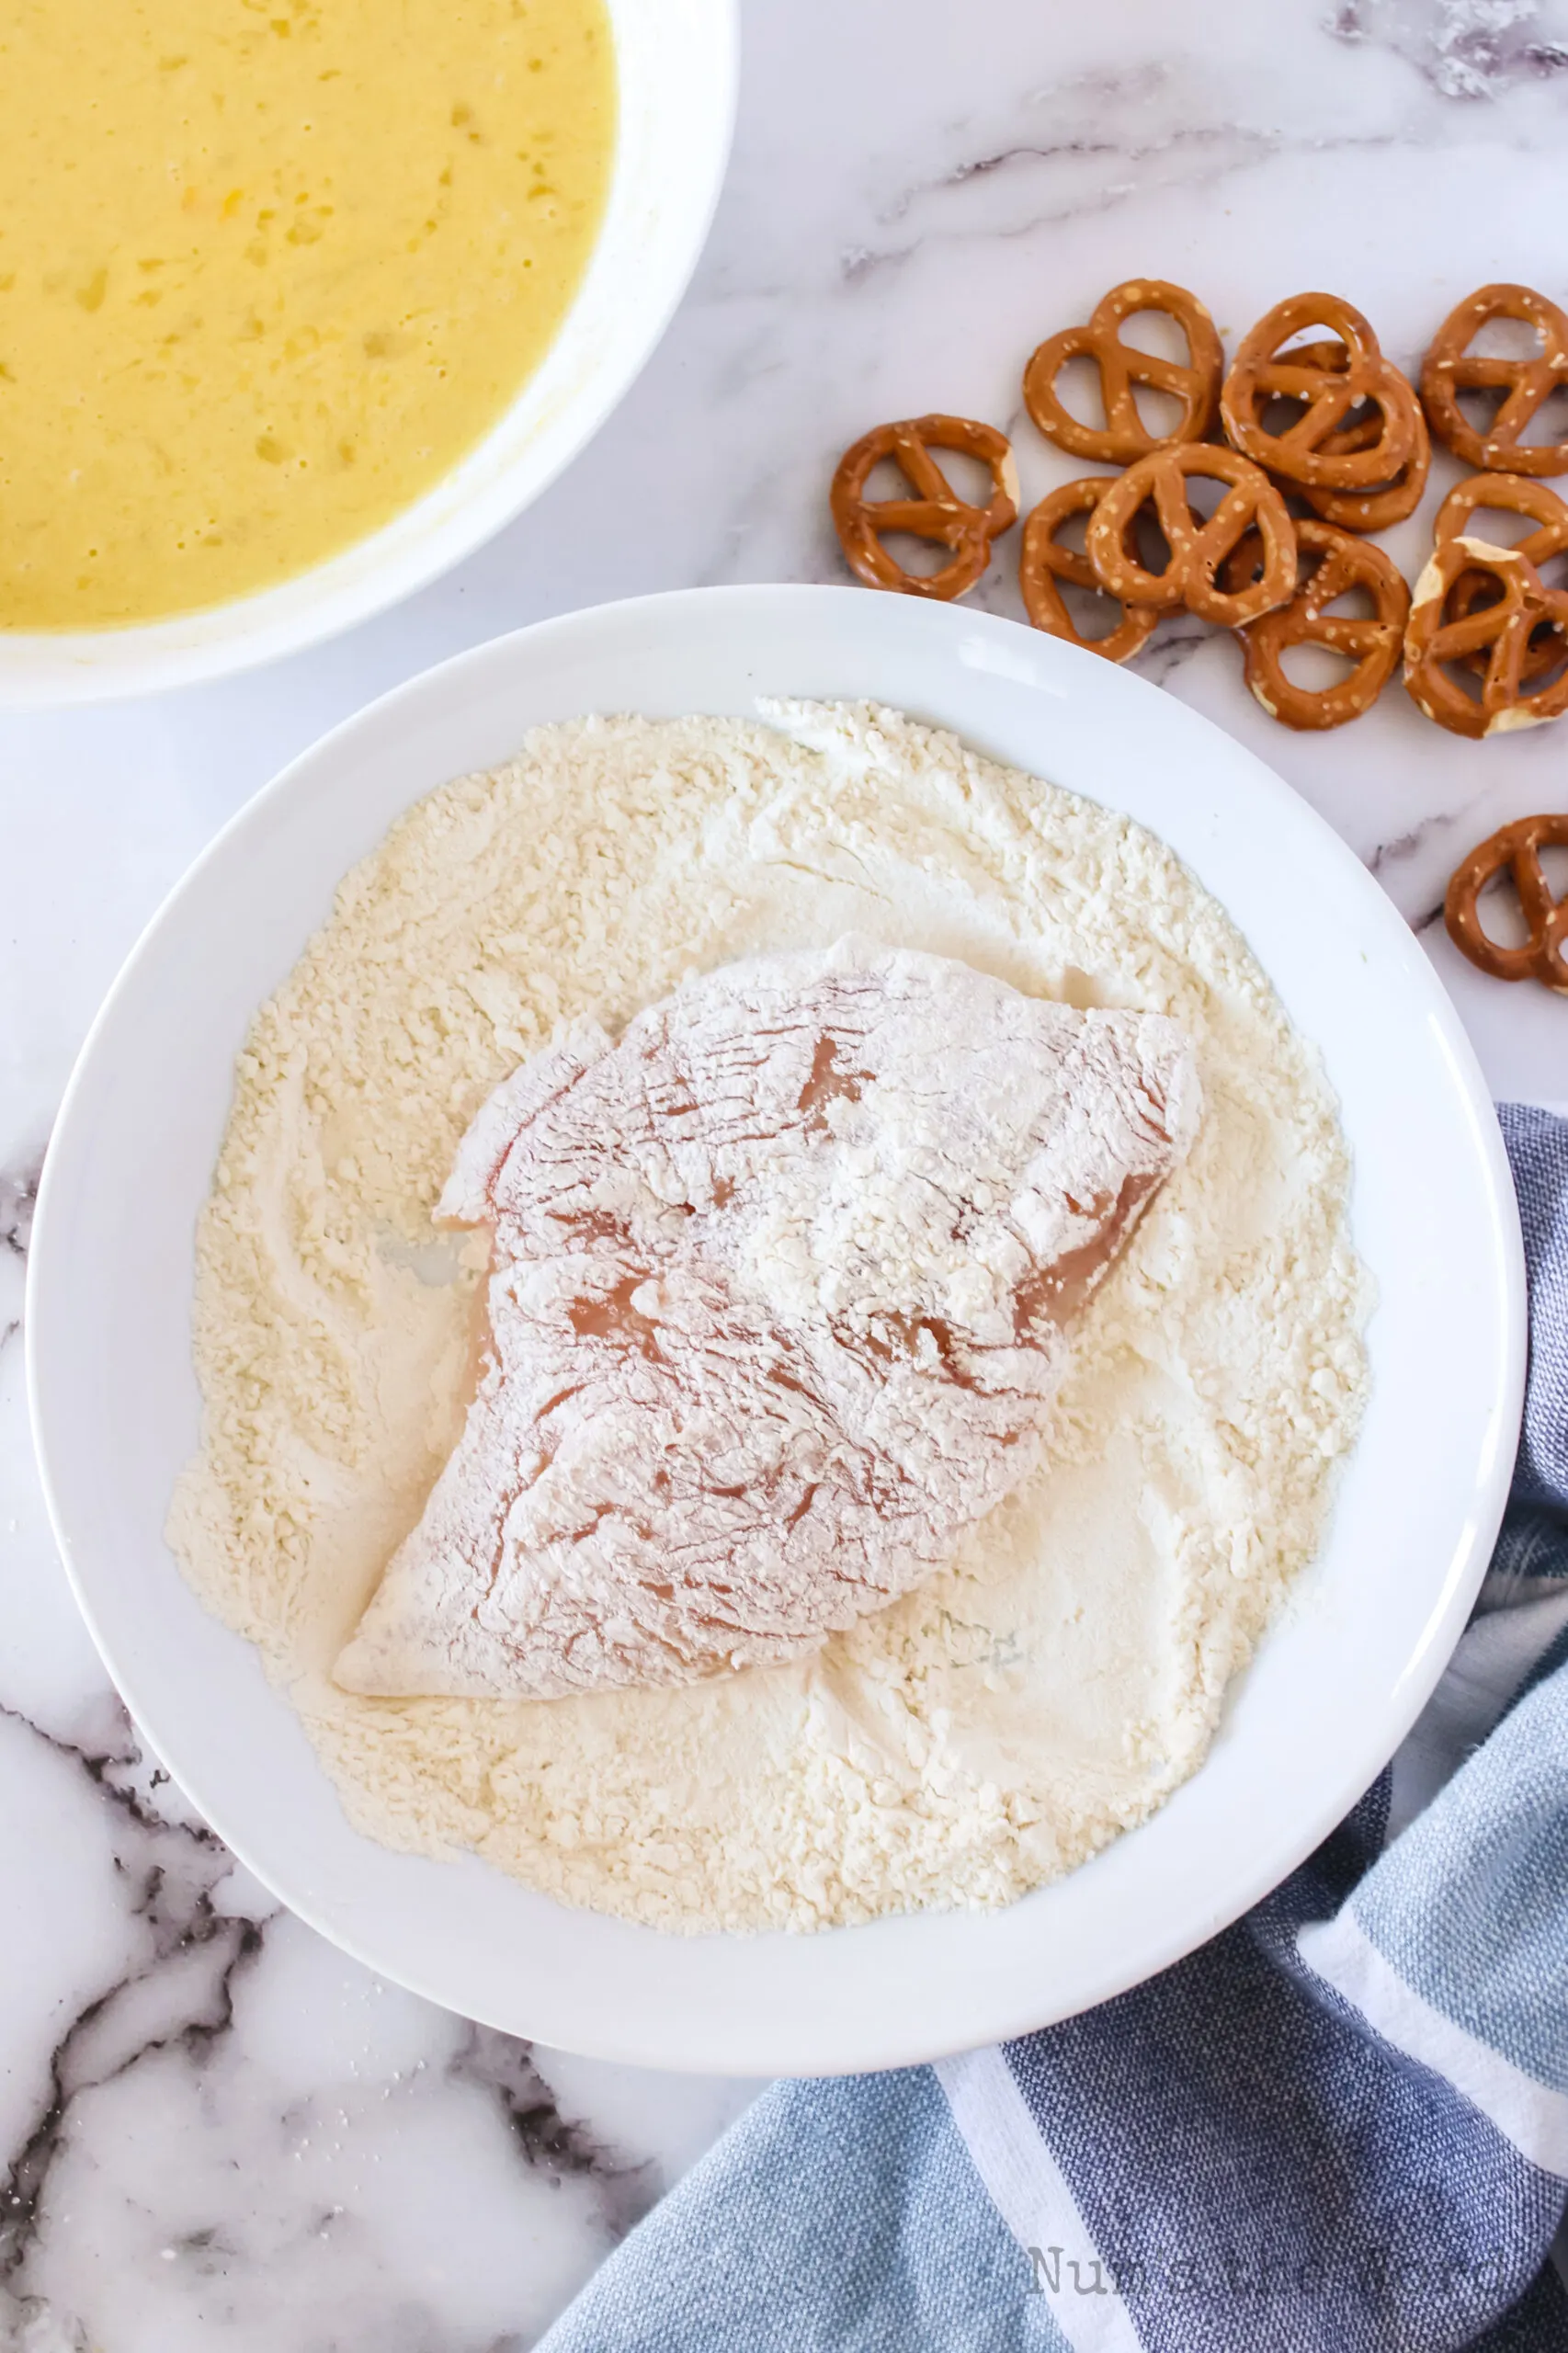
pixel 213 2131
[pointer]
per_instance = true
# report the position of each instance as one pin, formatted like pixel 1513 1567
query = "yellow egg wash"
pixel 268 268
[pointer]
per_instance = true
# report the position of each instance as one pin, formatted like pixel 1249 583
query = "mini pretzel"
pixel 1261 373
pixel 1504 629
pixel 1544 956
pixel 1198 548
pixel 936 512
pixel 1487 494
pixel 1044 560
pixel 1505 495
pixel 1124 436
pixel 1379 509
pixel 1451 367
pixel 1372 642
pixel 1363 510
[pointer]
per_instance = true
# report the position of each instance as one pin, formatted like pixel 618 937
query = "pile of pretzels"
pixel 1323 441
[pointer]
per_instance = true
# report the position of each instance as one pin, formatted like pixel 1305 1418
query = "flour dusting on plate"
pixel 1055 1681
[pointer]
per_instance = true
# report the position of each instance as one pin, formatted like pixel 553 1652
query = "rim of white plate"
pixel 1337 1683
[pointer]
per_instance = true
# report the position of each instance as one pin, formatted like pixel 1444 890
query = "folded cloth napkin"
pixel 1340 2127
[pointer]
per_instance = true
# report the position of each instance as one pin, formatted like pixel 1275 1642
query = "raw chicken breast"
pixel 780 1290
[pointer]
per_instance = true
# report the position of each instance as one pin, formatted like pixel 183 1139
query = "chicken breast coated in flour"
pixel 780 1299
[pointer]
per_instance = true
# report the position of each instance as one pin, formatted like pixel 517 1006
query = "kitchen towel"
pixel 1340 2127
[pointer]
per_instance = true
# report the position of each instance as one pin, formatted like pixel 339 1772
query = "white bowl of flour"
pixel 1146 1684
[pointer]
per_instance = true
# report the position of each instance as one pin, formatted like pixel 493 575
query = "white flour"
pixel 1056 1682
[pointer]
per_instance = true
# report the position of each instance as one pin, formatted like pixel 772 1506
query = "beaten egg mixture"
pixel 268 268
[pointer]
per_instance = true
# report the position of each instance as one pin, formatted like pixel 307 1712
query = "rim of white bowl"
pixel 556 413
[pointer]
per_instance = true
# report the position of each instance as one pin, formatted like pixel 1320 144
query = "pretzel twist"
pixel 1487 494
pixel 1362 510
pixel 1301 453
pixel 1044 562
pixel 1124 437
pixel 1451 367
pixel 1503 494
pixel 936 512
pixel 1336 563
pixel 1544 955
pixel 1504 630
pixel 1198 548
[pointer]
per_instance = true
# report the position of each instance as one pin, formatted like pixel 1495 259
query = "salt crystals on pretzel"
pixel 1321 418
pixel 935 512
pixel 1451 367
pixel 1516 849
pixel 1334 562
pixel 1320 448
pixel 1124 437
pixel 1521 619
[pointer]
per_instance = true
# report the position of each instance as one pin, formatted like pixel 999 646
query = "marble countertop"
pixel 212 2127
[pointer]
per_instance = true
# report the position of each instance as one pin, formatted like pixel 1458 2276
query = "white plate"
pixel 676 71
pixel 1331 1692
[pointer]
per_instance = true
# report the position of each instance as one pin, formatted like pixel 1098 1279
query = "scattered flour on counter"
pixel 1054 1682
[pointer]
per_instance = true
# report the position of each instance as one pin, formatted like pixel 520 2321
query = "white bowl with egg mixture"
pixel 1335 1682
pixel 675 76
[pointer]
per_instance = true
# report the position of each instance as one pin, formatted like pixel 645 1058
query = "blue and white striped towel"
pixel 1340 2127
